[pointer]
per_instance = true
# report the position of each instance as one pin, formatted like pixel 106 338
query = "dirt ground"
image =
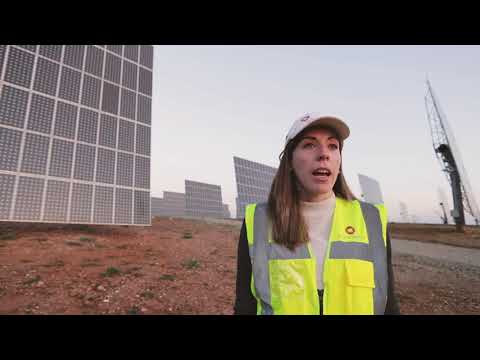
pixel 441 234
pixel 176 266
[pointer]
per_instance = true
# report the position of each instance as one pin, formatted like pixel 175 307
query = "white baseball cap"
pixel 310 119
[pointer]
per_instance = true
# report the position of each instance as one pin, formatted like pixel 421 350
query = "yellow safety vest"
pixel 355 267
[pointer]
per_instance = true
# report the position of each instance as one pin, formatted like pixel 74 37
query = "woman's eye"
pixel 333 146
pixel 308 146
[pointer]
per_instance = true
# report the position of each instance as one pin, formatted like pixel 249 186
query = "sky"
pixel 211 103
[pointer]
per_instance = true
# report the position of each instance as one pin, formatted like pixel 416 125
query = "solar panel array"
pixel 75 125
pixel 253 183
pixel 172 204
pixel 203 200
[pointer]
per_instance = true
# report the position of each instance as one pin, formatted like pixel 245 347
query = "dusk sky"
pixel 211 103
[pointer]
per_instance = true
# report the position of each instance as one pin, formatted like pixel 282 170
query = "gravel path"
pixel 437 251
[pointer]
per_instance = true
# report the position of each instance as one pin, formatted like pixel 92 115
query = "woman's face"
pixel 316 162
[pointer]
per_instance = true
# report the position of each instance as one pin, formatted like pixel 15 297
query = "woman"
pixel 314 248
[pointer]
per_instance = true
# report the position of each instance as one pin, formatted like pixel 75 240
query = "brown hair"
pixel 288 226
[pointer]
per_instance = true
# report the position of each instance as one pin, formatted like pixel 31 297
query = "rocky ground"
pixel 176 266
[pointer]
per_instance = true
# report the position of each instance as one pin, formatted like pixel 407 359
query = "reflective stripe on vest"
pixel 377 245
pixel 363 258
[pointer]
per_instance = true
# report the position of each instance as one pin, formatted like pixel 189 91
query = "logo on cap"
pixel 305 118
pixel 350 230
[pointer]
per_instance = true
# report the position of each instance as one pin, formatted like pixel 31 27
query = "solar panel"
pixel 75 129
pixel 203 200
pixel 226 211
pixel 254 181
pixel 370 190
pixel 172 204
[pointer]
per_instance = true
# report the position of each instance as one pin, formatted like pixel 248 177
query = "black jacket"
pixel 246 304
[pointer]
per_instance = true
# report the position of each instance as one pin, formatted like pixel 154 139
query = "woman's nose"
pixel 321 153
pixel 321 156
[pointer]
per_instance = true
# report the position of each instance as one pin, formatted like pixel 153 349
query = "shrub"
pixel 111 271
pixel 191 264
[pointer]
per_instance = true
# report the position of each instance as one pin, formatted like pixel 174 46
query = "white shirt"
pixel 318 218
